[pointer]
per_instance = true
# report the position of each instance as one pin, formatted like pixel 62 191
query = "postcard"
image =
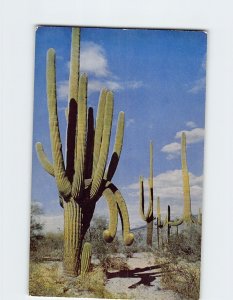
pixel 118 153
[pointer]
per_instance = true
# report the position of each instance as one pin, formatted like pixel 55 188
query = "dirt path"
pixel 142 281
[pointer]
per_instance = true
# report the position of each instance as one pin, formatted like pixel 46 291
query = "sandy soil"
pixel 142 281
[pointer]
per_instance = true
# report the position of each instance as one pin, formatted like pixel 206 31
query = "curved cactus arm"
pixel 99 129
pixel 110 233
pixel 98 175
pixel 81 130
pixel 123 211
pixel 86 258
pixel 117 147
pixel 144 216
pixel 46 164
pixel 63 183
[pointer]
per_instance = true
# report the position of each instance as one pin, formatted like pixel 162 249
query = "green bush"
pixel 50 248
pixel 36 226
pixel 186 245
pixel 100 248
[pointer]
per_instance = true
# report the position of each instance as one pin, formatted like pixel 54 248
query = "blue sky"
pixel 158 79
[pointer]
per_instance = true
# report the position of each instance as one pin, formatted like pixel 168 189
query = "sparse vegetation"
pixel 182 278
pixel 48 280
pixel 180 261
pixel 36 228
pixel 49 248
pixel 186 245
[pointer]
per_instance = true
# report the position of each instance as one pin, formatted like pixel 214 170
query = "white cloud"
pixel 97 85
pixel 192 136
pixel 62 90
pixel 93 60
pixel 191 124
pixel 171 148
pixel 203 65
pixel 134 84
pixel 169 187
pixel 199 85
pixel 130 122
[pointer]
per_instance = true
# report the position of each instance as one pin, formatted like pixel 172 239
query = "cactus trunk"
pixel 168 221
pixel 149 233
pixel 86 259
pixel 158 239
pixel 72 238
pixel 148 217
pixel 186 187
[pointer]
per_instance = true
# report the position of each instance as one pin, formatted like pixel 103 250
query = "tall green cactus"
pixel 84 178
pixel 187 217
pixel 148 216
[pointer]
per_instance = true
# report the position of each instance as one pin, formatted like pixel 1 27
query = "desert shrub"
pixel 186 245
pixel 53 245
pixel 100 248
pixel 45 280
pixel 36 229
pixel 106 253
pixel 96 284
pixel 180 262
pixel 50 247
pixel 139 245
pixel 115 262
pixel 182 278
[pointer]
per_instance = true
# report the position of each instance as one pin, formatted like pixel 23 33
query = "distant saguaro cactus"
pixel 159 223
pixel 148 217
pixel 84 178
pixel 187 217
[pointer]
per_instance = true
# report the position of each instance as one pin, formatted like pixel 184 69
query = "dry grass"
pixel 95 282
pixel 181 277
pixel 113 262
pixel 47 280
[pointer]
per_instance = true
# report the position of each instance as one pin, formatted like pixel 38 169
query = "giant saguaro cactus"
pixel 84 178
pixel 187 217
pixel 148 216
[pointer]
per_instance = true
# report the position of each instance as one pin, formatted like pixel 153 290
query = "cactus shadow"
pixel 145 279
